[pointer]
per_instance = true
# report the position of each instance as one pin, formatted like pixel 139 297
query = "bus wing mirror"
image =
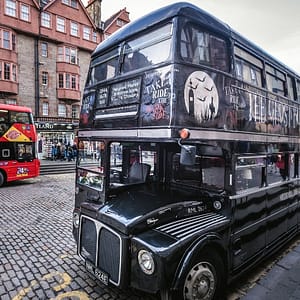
pixel 187 154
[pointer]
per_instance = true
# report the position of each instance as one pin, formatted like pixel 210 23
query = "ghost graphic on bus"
pixel 201 97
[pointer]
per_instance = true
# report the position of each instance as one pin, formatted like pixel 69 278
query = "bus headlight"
pixel 146 262
pixel 76 220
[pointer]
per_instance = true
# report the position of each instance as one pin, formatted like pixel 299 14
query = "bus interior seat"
pixel 139 172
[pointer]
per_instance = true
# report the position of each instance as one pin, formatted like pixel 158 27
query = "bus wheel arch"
pixel 202 275
pixel 2 178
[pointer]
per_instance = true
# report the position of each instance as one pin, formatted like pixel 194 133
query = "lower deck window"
pixel 207 172
pixel 131 163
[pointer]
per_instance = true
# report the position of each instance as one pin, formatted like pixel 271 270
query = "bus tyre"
pixel 2 180
pixel 204 278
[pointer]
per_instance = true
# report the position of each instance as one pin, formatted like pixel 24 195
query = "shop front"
pixel 52 135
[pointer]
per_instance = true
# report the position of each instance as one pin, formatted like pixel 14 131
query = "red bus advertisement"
pixel 18 138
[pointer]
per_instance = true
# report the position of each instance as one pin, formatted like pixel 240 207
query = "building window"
pixel 95 37
pixel 44 49
pixel 73 82
pixel 14 73
pixel 75 112
pixel 11 101
pixel 46 19
pixel 45 78
pixel 60 24
pixel 61 80
pixel 120 23
pixel 24 12
pixel 11 8
pixel 68 81
pixel 67 54
pixel 13 42
pixel 86 33
pixel 45 108
pixel 6 39
pixel 74 28
pixel 62 111
pixel 8 71
pixel 73 56
pixel 72 3
pixel 60 54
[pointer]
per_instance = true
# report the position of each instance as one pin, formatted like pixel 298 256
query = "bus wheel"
pixel 2 179
pixel 204 278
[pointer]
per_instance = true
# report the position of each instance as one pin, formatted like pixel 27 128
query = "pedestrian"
pixel 58 150
pixel 62 152
pixel 53 152
pixel 69 152
pixel 74 151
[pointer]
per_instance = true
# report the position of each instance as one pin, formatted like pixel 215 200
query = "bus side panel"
pixel 156 97
pixel 249 227
pixel 18 170
pixel 293 207
pixel 278 209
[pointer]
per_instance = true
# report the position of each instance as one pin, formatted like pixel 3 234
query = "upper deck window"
pixel 290 87
pixel 275 80
pixel 146 50
pixel 203 48
pixel 248 72
pixel 298 90
pixel 149 49
pixel 104 67
pixel 20 117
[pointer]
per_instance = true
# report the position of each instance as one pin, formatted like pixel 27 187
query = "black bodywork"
pixel 255 210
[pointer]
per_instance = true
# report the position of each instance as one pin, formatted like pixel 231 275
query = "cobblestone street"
pixel 38 257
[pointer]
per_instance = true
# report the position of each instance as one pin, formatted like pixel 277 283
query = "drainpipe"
pixel 37 78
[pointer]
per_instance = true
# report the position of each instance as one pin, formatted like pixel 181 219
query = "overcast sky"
pixel 274 25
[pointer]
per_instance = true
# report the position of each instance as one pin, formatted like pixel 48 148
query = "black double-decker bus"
pixel 196 132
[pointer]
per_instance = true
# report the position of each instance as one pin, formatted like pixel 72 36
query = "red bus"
pixel 18 138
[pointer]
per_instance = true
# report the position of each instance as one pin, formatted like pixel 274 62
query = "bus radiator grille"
pixel 88 240
pixel 101 246
pixel 109 254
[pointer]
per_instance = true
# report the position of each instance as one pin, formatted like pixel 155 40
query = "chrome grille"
pixel 88 237
pixel 101 246
pixel 184 228
pixel 109 253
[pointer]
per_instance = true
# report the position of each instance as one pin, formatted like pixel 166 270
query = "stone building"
pixel 45 48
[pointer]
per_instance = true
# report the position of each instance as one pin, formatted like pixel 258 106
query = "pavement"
pixel 282 281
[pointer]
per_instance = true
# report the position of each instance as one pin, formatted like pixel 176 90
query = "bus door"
pixel 249 209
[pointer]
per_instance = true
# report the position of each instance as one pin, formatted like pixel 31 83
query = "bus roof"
pixel 160 15
pixel 15 108
pixel 193 12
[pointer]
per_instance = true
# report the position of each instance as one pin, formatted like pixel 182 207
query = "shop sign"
pixel 47 126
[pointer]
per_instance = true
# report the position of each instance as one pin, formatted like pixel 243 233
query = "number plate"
pixel 102 276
